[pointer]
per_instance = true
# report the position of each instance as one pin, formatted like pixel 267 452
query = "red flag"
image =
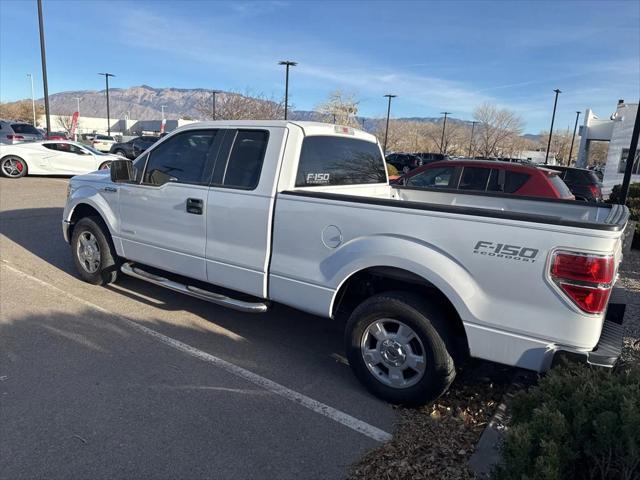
pixel 74 124
pixel 162 125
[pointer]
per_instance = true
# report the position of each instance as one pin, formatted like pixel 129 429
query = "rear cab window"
pixel 333 161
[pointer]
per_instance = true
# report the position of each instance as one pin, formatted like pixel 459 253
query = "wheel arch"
pixel 372 280
pixel 95 206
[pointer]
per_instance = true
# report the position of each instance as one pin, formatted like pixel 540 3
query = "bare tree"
pixel 64 122
pixel 242 106
pixel 497 130
pixel 341 108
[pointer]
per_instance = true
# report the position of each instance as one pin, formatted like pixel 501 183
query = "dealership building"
pixel 617 131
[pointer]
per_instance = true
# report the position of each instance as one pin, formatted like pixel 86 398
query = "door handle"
pixel 110 189
pixel 194 205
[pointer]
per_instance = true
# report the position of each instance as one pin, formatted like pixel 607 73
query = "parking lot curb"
pixel 488 450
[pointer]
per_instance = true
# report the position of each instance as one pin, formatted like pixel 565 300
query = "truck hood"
pixel 99 176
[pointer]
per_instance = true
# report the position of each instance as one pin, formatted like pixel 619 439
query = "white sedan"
pixel 51 157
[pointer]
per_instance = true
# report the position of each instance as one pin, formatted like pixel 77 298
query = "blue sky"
pixel 434 55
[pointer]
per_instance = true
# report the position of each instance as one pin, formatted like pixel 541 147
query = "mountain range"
pixel 145 103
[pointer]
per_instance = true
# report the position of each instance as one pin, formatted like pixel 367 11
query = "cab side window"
pixel 244 164
pixel 187 157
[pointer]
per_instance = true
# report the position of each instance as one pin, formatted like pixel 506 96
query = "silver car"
pixel 18 132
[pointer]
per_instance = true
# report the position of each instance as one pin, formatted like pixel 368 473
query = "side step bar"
pixel 218 299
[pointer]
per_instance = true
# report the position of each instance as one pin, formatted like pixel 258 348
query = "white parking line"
pixel 307 402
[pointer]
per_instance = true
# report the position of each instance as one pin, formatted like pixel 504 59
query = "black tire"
pixel 121 153
pixel 12 166
pixel 427 322
pixel 94 230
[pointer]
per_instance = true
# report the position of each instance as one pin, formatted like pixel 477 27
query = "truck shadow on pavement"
pixel 86 396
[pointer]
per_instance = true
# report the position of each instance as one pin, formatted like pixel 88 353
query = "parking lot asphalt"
pixel 135 381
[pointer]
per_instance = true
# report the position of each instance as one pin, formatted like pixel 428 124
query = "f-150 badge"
pixel 509 252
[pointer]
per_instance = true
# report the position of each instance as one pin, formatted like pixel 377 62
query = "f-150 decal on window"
pixel 326 160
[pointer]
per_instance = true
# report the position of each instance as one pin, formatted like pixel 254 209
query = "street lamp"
pixel 575 126
pixel 213 103
pixel 78 105
pixel 553 117
pixel 33 99
pixel 106 78
pixel 444 126
pixel 473 127
pixel 386 130
pixel 43 56
pixel 287 64
pixel 162 107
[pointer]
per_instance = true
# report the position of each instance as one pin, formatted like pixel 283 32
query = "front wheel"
pixel 93 254
pixel 13 167
pixel 398 346
pixel 105 165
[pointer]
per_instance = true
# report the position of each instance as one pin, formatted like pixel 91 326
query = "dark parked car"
pixel 134 147
pixel 584 184
pixel 404 162
pixel 488 176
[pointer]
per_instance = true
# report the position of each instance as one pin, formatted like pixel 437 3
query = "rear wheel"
pixel 399 347
pixel 105 165
pixel 121 153
pixel 93 253
pixel 12 166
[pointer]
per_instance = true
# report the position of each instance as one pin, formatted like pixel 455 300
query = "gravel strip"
pixel 436 441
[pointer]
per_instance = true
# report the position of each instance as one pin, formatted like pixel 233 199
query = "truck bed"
pixel 597 216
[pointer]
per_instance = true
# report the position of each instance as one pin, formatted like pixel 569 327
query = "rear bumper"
pixel 609 347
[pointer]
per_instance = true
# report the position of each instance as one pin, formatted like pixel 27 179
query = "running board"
pixel 218 299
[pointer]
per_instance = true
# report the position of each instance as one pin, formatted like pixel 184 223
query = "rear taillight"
pixel 585 279
pixel 15 137
pixel 596 191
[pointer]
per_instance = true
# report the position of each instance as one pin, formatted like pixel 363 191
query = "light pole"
pixel 106 78
pixel 33 99
pixel 473 127
pixel 444 126
pixel 287 64
pixel 162 107
pixel 213 103
pixel 575 126
pixel 386 130
pixel 43 56
pixel 78 105
pixel 553 117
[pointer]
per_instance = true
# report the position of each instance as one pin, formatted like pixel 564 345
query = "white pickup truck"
pixel 249 213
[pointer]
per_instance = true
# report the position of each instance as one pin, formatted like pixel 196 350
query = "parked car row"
pixel 529 179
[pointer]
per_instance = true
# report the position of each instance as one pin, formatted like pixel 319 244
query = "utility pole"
pixel 631 157
pixel 213 103
pixel 473 127
pixel 444 126
pixel 43 56
pixel 287 64
pixel 386 130
pixel 553 117
pixel 575 126
pixel 78 105
pixel 106 78
pixel 33 99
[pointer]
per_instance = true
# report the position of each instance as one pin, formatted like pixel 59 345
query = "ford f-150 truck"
pixel 250 213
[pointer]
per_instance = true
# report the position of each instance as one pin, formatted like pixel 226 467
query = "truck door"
pixel 239 209
pixel 164 215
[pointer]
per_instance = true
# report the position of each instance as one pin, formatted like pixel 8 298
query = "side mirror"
pixel 121 171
